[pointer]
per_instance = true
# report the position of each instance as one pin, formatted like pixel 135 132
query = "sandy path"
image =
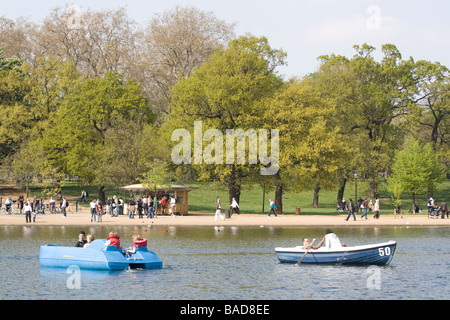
pixel 199 219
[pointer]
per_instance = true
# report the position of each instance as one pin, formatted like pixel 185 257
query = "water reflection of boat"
pixel 98 256
pixel 375 254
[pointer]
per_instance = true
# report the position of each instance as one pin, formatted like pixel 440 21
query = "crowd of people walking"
pixel 362 206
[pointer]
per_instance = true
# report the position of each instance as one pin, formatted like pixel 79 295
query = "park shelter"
pixel 180 193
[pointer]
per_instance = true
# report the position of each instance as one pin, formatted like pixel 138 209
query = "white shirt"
pixel 234 204
pixel 93 204
pixel 377 205
pixel 27 207
pixel 332 241
pixel 172 201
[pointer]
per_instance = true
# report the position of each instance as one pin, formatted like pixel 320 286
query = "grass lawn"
pixel 204 198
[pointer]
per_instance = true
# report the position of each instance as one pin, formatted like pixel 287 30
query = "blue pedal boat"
pixel 98 256
pixel 374 254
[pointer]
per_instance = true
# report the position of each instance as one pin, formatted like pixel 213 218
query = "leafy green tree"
pixel 224 93
pixel 16 117
pixel 416 169
pixel 369 96
pixel 311 147
pixel 77 140
pixel 9 63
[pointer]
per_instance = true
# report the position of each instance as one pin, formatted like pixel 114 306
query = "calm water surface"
pixel 229 263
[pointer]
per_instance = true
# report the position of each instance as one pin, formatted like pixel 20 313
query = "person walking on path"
pixel 218 210
pixel 376 208
pixel 351 210
pixel 234 207
pixel 365 205
pixel 272 207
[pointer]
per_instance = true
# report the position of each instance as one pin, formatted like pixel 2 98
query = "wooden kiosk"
pixel 180 193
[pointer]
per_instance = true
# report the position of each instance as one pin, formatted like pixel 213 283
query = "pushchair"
pixel 433 213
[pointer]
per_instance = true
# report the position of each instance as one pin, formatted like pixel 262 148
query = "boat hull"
pixel 97 256
pixel 376 254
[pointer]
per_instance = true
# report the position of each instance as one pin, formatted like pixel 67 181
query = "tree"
pixel 77 140
pixel 175 43
pixel 224 93
pixel 9 63
pixel 16 118
pixel 416 169
pixel 433 93
pixel 95 41
pixel 311 147
pixel 396 190
pixel 369 95
pixel 157 176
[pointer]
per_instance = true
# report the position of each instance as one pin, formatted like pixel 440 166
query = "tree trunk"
pixel 373 183
pixel 234 186
pixel 414 202
pixel 316 196
pixel 278 193
pixel 101 194
pixel 341 190
pixel 279 198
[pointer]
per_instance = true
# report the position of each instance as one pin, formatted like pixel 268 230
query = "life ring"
pixel 140 243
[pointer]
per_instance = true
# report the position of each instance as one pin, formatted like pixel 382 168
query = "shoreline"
pixel 202 219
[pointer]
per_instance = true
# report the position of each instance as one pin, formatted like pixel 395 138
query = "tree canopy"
pixel 110 101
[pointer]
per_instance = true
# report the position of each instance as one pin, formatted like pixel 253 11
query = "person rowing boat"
pixel 308 245
pixel 331 240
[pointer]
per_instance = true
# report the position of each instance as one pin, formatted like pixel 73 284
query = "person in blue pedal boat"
pixel 81 241
pixel 138 242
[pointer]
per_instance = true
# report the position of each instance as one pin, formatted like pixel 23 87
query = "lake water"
pixel 231 263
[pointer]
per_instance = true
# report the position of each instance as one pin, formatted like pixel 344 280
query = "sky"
pixel 305 29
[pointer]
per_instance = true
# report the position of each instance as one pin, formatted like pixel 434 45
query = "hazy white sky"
pixel 305 29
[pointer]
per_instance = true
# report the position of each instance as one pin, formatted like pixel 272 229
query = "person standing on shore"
pixel 52 204
pixel 444 209
pixel 218 210
pixel 163 205
pixel 27 209
pixel 20 203
pixel 64 206
pixel 172 205
pixel 100 211
pixel 93 206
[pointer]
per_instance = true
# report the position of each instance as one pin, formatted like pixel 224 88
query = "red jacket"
pixel 114 241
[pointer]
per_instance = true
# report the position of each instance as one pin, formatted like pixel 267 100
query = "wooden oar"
pixel 310 247
pixel 300 261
